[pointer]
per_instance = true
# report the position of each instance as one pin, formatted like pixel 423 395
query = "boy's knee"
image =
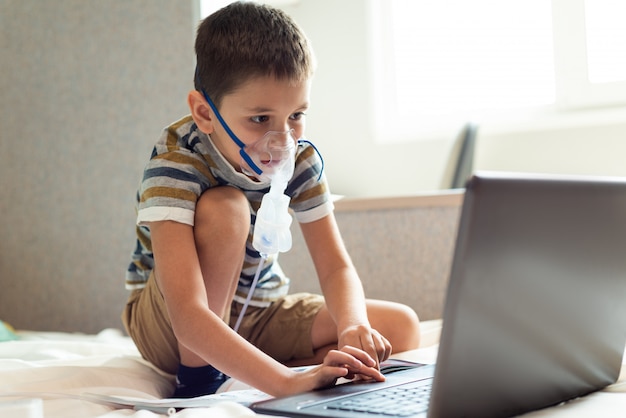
pixel 408 312
pixel 409 316
pixel 221 202
pixel 223 207
pixel 399 323
pixel 409 322
pixel 404 317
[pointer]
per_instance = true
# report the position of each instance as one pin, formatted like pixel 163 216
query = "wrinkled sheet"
pixel 61 368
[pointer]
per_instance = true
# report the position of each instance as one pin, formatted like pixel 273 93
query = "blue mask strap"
pixel 232 135
pixel 306 141
pixel 250 163
pixel 222 121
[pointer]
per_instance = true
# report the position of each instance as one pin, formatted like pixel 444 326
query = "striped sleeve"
pixel 173 181
pixel 308 188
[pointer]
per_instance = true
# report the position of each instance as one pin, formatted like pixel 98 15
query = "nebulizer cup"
pixel 275 154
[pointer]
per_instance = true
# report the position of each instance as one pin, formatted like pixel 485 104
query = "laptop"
pixel 535 310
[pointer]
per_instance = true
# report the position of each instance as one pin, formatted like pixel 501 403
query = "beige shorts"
pixel 282 330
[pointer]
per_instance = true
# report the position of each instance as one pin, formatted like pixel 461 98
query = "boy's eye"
pixel 259 119
pixel 298 116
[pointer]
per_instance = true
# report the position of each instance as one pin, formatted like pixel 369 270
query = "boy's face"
pixel 258 106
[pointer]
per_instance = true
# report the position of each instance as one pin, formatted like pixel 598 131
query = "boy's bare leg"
pixel 396 322
pixel 221 228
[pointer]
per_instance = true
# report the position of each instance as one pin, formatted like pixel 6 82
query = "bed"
pixel 66 375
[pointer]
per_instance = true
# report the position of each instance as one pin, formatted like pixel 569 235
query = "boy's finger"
pixel 366 358
pixel 358 362
pixel 371 373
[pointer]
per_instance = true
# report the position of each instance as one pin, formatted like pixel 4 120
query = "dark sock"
pixel 197 381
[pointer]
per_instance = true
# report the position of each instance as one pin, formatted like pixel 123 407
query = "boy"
pixel 194 261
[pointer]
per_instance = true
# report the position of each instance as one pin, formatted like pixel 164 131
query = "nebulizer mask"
pixel 269 159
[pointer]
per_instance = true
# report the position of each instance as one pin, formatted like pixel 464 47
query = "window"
pixel 209 6
pixel 448 62
pixel 606 40
pixel 589 53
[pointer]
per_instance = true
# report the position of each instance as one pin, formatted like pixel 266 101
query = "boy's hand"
pixel 368 340
pixel 348 362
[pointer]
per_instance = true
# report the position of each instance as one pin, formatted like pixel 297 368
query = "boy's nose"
pixel 282 139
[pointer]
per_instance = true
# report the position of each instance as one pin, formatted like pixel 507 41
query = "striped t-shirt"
pixel 184 164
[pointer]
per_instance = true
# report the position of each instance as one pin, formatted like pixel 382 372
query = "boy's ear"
pixel 200 111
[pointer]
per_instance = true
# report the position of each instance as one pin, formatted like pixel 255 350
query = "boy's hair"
pixel 245 40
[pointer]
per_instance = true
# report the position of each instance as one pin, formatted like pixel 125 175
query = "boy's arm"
pixel 342 288
pixel 205 334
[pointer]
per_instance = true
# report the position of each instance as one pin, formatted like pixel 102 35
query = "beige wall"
pixel 591 142
pixel 85 88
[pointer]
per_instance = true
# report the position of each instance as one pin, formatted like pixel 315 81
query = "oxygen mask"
pixel 271 158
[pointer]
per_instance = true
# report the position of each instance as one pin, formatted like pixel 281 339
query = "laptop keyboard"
pixel 398 401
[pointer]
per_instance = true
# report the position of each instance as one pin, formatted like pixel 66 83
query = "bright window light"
pixel 459 56
pixel 606 40
pixel 209 6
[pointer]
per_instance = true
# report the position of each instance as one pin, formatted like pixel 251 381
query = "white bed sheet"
pixel 60 368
